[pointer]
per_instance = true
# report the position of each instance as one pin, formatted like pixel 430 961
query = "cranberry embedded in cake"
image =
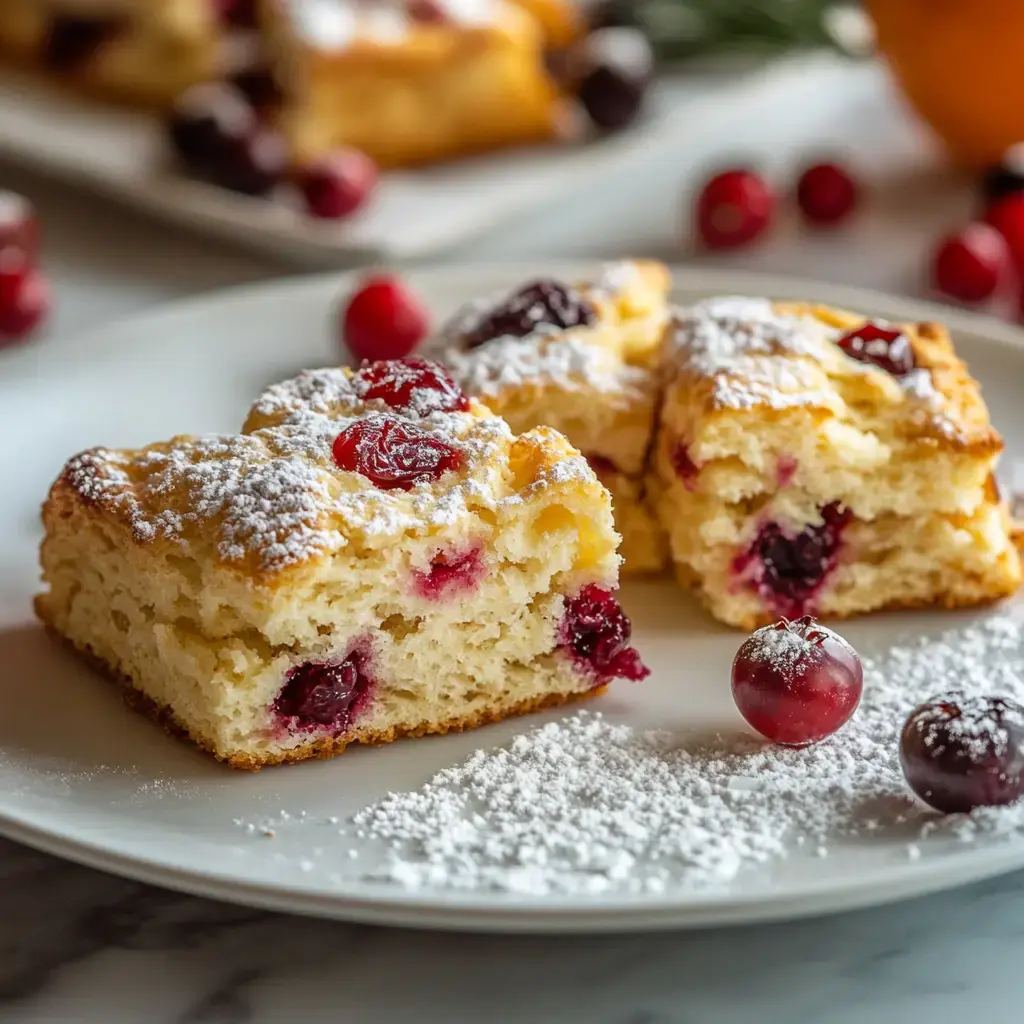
pixel 543 304
pixel 884 347
pixel 451 573
pixel 330 693
pixel 685 467
pixel 596 632
pixel 415 384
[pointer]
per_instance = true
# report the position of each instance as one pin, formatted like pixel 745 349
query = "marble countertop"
pixel 78 945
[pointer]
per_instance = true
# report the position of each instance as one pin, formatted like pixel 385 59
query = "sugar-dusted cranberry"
pixel 1007 217
pixel 733 209
pixel 450 573
pixel 826 193
pixel 384 319
pixel 329 693
pixel 596 632
pixel 73 41
pixel 24 298
pixel 394 453
pixel 338 184
pixel 19 229
pixel 260 88
pixel 612 70
pixel 796 682
pixel 1006 178
pixel 789 569
pixel 970 265
pixel 538 306
pixel 682 462
pixel 206 120
pixel 888 348
pixel 960 752
pixel 411 384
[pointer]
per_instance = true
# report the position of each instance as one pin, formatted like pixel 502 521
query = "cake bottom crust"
pixel 322 747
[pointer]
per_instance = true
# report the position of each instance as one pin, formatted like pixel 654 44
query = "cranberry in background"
pixel 734 209
pixel 970 264
pixel 384 319
pixel 24 291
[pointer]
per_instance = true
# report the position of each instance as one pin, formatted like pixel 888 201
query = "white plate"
pixel 415 214
pixel 83 777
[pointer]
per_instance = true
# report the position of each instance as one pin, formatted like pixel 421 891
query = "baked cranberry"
pixel 796 682
pixel 24 298
pixel 686 469
pixel 19 229
pixel 541 305
pixel 73 41
pixel 259 87
pixel 394 453
pixel 339 184
pixel 450 573
pixel 961 752
pixel 596 632
pixel 969 265
pixel 612 69
pixel 330 693
pixel 1006 178
pixel 207 119
pixel 411 384
pixel 1007 217
pixel 253 165
pixel 826 194
pixel 885 347
pixel 384 319
pixel 602 466
pixel 733 209
pixel 790 569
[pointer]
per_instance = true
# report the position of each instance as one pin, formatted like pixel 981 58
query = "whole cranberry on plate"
pixel 827 194
pixel 971 264
pixel 338 184
pixel 206 119
pixel 384 319
pixel 612 70
pixel 24 298
pixel 733 209
pixel 796 682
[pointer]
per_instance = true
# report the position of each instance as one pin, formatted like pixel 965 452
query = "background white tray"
pixel 415 214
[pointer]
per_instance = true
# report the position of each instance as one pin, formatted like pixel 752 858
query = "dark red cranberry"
pixel 24 298
pixel 1006 178
pixel 733 209
pixel 1007 217
pixel 793 568
pixel 596 631
pixel 206 121
pixel 961 752
pixel 259 87
pixel 253 165
pixel 328 693
pixel 612 68
pixel 885 347
pixel 73 41
pixel 411 384
pixel 19 229
pixel 237 13
pixel 450 573
pixel 384 319
pixel 970 265
pixel 686 469
pixel 339 184
pixel 543 304
pixel 796 682
pixel 602 466
pixel 826 194
pixel 393 453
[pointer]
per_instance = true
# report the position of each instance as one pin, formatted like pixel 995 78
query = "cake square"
pixel 373 556
pixel 811 461
pixel 581 358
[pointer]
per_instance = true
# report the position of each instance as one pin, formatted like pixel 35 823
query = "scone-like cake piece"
pixel 138 51
pixel 410 81
pixel 578 357
pixel 811 461
pixel 374 556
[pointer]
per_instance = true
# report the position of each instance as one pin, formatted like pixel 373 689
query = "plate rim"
pixel 472 912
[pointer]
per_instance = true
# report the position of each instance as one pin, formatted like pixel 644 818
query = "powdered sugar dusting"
pixel 587 806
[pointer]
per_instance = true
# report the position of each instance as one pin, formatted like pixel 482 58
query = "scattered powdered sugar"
pixel 587 806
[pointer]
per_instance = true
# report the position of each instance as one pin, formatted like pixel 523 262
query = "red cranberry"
pixel 612 67
pixel 328 693
pixel 1007 217
pixel 259 87
pixel 970 265
pixel 961 752
pixel 411 384
pixel 339 184
pixel 394 453
pixel 734 208
pixel 1006 178
pixel 450 573
pixel 384 319
pixel 24 299
pixel 885 347
pixel 793 568
pixel 206 121
pixel 826 194
pixel 596 631
pixel 543 304
pixel 686 469
pixel 796 682
pixel 73 41
pixel 19 230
